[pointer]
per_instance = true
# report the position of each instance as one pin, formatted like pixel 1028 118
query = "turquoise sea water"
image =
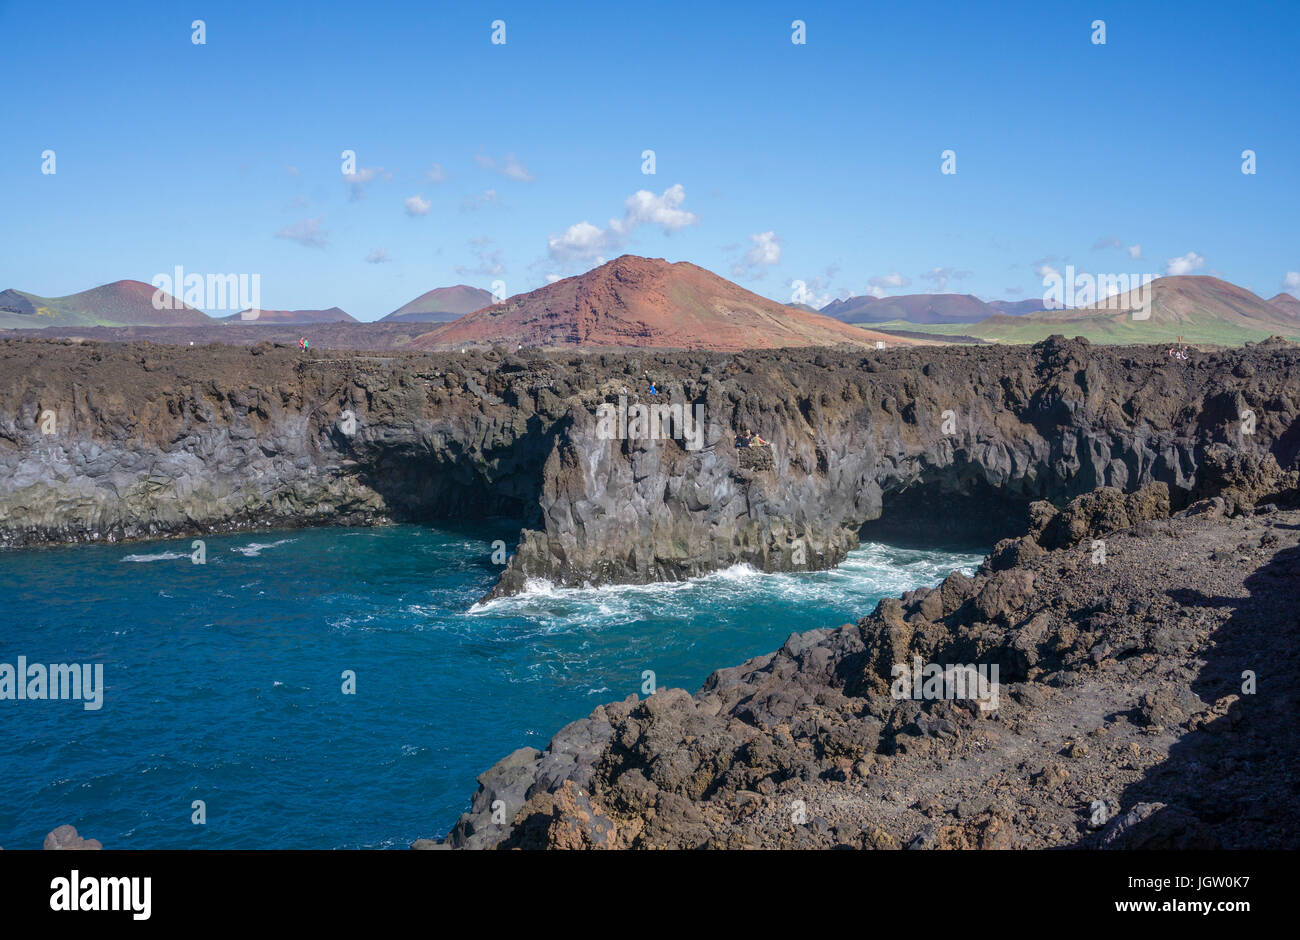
pixel 223 681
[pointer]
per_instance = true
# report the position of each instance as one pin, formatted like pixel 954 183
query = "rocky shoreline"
pixel 1125 719
pixel 106 442
pixel 1145 701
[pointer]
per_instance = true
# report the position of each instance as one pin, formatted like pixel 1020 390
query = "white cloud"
pixel 581 241
pixel 378 256
pixel 1184 265
pixel 510 167
pixel 488 259
pixel 486 198
pixel 816 292
pixel 516 170
pixel 1045 270
pixel 766 250
pixel 1292 280
pixel 584 241
pixel 417 205
pixel 941 276
pixel 763 254
pixel 552 278
pixel 308 233
pixel 891 281
pixel 645 208
pixel 367 174
pixel 435 173
pixel 1111 241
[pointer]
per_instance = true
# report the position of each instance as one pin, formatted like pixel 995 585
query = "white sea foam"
pixel 160 556
pixel 253 549
pixel 873 570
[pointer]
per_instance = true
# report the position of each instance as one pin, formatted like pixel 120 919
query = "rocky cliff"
pixel 1121 679
pixel 114 441
pixel 1141 697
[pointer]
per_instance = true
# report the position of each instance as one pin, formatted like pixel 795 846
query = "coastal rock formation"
pixel 1138 603
pixel 1141 700
pixel 894 442
pixel 66 838
pixel 105 442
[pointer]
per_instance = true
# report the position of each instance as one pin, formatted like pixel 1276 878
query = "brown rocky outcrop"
pixel 1126 713
pixel 66 838
pixel 152 441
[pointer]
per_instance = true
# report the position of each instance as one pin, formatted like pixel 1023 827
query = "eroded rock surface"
pixel 1143 701
pixel 121 441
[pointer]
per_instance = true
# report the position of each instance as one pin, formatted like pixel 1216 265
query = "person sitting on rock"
pixel 757 441
pixel 744 438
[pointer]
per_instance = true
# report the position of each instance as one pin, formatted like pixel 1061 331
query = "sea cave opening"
pixel 970 515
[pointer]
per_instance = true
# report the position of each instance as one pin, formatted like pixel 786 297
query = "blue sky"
pixel 775 162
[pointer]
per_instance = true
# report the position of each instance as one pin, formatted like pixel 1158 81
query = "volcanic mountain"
pixel 634 301
pixel 1287 304
pixel 283 317
pixel 915 308
pixel 441 305
pixel 122 303
pixel 1016 308
pixel 1190 299
pixel 1199 308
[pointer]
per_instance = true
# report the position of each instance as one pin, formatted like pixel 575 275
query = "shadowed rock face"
pixel 152 441
pixel 851 434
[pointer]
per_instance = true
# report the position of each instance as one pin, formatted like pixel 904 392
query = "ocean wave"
pixel 868 573
pixel 253 549
pixel 541 589
pixel 160 556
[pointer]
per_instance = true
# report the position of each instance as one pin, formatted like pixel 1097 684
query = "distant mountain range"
pixel 131 303
pixel 634 301
pixel 914 308
pixel 283 317
pixel 926 308
pixel 122 303
pixel 1016 308
pixel 1198 308
pixel 441 305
